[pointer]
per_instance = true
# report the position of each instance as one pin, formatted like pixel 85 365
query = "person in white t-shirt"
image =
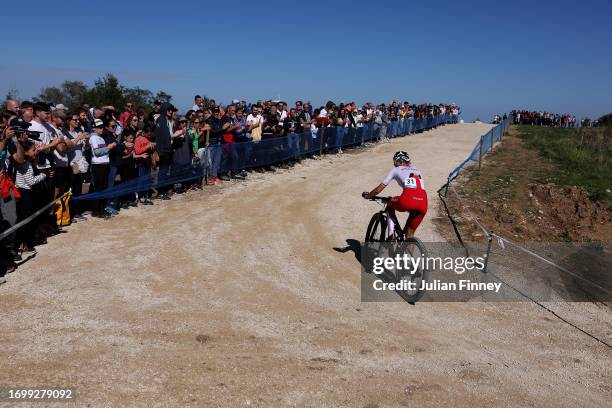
pixel 255 122
pixel 282 110
pixel 199 102
pixel 100 163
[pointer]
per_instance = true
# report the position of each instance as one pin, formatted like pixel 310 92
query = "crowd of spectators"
pixel 499 119
pixel 540 118
pixel 47 151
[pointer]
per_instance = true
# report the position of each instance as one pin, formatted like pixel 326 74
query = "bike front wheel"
pixel 377 228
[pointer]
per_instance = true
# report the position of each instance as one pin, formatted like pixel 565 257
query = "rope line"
pixel 23 222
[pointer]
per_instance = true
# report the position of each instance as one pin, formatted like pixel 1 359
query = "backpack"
pixel 62 210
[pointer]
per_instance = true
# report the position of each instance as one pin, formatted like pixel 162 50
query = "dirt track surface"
pixel 235 296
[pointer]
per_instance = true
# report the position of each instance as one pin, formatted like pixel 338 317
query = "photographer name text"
pixel 436 285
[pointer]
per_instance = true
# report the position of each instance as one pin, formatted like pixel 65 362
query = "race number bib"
pixel 410 182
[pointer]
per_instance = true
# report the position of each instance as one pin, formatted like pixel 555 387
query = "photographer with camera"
pixel 46 143
pixel 11 153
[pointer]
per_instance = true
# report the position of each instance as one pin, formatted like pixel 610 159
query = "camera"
pixel 32 134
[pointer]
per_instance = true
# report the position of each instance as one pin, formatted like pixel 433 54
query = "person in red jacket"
pixel 123 118
pixel 144 151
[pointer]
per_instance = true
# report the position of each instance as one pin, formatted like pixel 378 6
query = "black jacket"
pixel 293 122
pixel 115 155
pixel 162 131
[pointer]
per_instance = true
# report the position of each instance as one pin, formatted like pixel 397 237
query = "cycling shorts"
pixel 413 202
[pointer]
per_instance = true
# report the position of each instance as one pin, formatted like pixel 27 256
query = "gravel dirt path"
pixel 235 296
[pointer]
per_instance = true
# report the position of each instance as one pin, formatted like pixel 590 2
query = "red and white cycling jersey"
pixel 407 177
pixel 414 196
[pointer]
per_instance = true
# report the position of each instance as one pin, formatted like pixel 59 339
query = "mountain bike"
pixel 413 247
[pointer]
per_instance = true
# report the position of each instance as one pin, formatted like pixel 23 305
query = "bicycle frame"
pixel 396 224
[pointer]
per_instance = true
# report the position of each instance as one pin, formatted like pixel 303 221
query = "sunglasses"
pixel 196 122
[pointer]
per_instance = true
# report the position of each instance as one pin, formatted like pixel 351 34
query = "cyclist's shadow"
pixel 351 245
pixel 355 246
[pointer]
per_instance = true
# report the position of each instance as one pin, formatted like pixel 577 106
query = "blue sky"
pixel 489 57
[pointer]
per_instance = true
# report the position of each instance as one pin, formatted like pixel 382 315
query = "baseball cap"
pixel 59 106
pixel 98 123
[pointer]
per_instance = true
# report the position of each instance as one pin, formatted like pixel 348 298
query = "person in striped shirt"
pixel 26 177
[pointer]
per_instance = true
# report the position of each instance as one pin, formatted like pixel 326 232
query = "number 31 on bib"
pixel 410 182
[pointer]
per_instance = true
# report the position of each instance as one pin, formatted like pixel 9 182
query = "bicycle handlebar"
pixel 383 199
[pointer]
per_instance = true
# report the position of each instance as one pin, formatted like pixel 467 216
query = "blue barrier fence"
pixel 222 158
pixel 484 146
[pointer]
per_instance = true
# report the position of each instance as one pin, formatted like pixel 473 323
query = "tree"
pixel 139 97
pixel 69 93
pixel 51 94
pixel 74 94
pixel 106 91
pixel 163 97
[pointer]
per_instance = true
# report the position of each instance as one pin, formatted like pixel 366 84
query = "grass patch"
pixel 583 156
pixel 516 194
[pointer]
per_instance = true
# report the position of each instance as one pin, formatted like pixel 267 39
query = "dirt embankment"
pixel 513 196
